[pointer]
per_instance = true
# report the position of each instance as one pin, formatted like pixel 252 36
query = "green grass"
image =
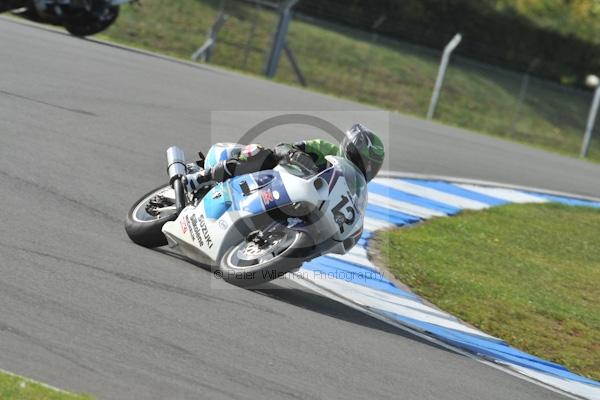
pixel 388 74
pixel 13 387
pixel 529 274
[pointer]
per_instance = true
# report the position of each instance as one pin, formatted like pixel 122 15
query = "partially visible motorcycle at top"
pixel 78 17
pixel 256 227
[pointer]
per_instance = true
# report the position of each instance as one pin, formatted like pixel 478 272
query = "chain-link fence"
pixel 388 73
pixel 244 40
pixel 514 105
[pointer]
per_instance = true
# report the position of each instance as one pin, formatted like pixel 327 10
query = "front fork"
pixel 176 169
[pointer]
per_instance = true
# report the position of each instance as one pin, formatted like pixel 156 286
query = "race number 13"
pixel 343 218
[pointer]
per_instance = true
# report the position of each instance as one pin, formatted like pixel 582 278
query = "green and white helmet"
pixel 364 149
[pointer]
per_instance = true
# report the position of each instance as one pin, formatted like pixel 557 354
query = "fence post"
pixel 441 73
pixel 587 138
pixel 285 15
pixel 290 55
pixel 204 52
pixel 248 46
pixel 523 92
pixel 366 63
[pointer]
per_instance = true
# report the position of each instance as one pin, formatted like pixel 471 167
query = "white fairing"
pixel 353 188
pixel 224 216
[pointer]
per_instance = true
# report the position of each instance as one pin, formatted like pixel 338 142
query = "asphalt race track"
pixel 83 129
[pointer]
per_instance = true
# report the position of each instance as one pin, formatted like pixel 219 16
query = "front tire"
pixel 146 229
pixel 244 273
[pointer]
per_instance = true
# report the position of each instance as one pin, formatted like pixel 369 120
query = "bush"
pixel 492 34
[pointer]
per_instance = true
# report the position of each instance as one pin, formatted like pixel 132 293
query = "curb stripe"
pixel 328 268
pixel 510 195
pixel 569 202
pixel 497 350
pixel 395 217
pixel 392 193
pixel 400 202
pixel 402 304
pixel 374 224
pixel 459 191
pixel 357 255
pixel 402 206
pixel 423 191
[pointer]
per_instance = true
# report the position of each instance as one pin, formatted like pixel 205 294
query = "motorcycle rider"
pixel 360 146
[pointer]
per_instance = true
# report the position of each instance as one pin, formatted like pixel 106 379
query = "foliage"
pixel 562 34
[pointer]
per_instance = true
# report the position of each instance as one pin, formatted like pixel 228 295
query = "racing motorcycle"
pixel 79 17
pixel 252 228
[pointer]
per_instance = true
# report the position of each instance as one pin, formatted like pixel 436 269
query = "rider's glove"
pixel 195 181
pixel 192 167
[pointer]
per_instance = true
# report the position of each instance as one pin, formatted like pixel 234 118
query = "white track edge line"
pixel 453 179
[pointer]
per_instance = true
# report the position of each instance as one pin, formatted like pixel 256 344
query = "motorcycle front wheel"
pixel 251 262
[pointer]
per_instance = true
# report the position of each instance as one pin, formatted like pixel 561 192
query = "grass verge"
pixel 528 274
pixel 13 387
pixel 355 65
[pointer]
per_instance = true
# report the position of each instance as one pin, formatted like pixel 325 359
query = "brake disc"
pixel 258 247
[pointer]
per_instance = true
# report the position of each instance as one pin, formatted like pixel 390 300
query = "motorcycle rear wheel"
pixel 144 228
pixel 99 19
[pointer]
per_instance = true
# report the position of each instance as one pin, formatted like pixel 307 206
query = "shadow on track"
pixel 314 302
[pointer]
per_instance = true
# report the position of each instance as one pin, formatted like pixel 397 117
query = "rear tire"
pixel 7 5
pixel 100 18
pixel 148 233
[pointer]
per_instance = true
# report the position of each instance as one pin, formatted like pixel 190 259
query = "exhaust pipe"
pixel 176 170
